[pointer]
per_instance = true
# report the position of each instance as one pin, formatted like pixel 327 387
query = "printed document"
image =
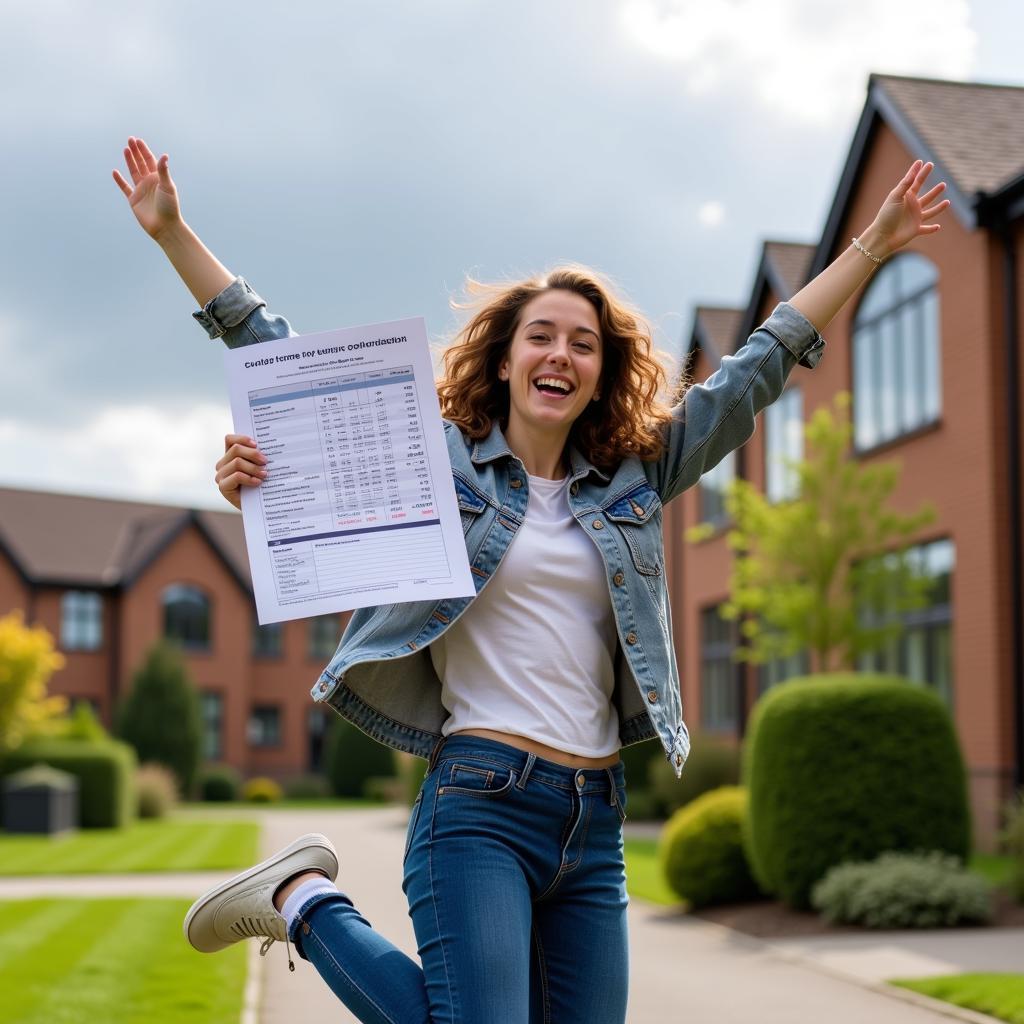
pixel 358 507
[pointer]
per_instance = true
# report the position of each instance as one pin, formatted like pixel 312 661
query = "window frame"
pixel 191 646
pixel 81 613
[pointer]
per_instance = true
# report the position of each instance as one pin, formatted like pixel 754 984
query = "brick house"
pixel 930 351
pixel 110 578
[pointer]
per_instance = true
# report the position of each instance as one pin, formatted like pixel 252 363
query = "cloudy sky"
pixel 356 160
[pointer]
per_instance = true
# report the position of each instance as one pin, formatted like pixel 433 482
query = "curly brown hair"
pixel 629 417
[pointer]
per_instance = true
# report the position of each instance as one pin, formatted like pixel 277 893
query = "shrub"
pixel 27 660
pixel 306 787
pixel 105 773
pixel 160 716
pixel 219 784
pixel 712 763
pixel 843 768
pixel 701 849
pixel 82 724
pixel 156 790
pixel 261 790
pixel 351 757
pixel 1012 841
pixel 903 890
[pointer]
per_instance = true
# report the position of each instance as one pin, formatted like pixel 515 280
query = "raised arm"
pixel 903 216
pixel 154 201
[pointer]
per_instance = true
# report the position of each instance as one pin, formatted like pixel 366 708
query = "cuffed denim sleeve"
pixel 718 416
pixel 240 317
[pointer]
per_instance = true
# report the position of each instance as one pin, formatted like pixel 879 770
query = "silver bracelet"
pixel 870 256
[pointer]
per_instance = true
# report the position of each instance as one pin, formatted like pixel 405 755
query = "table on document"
pixel 348 495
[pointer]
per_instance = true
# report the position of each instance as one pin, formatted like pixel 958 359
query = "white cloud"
pixel 711 213
pixel 139 452
pixel 804 58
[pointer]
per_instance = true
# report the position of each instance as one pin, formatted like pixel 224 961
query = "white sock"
pixel 311 887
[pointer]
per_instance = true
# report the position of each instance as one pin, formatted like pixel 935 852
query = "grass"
pixel 161 845
pixel 643 873
pixel 327 803
pixel 999 995
pixel 117 961
pixel 995 868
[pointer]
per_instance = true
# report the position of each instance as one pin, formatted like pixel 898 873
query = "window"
pixel 718 705
pixel 323 636
pixel 187 617
pixel 922 651
pixel 81 620
pixel 317 725
pixel 896 352
pixel 212 707
pixel 784 439
pixel 711 492
pixel 267 641
pixel 264 729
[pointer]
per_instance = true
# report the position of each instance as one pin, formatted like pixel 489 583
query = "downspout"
pixel 1013 454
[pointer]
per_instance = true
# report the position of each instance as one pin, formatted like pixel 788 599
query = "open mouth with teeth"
pixel 553 387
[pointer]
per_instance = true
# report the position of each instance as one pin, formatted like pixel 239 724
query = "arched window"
pixel 896 352
pixel 187 616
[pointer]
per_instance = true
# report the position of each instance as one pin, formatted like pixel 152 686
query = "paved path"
pixel 681 968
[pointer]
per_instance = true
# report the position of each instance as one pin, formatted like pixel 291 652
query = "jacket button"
pixel 323 687
pixel 598 525
pixel 631 638
pixel 517 483
pixel 574 489
pixel 638 512
pixel 679 760
pixel 652 696
pixel 618 579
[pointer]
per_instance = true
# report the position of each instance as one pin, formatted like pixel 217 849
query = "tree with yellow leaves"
pixel 27 660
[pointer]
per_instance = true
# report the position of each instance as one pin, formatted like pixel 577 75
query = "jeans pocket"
pixel 476 777
pixel 620 803
pixel 414 817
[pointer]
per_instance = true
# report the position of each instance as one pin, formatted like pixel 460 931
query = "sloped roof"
pixel 972 131
pixel 787 264
pixel 714 331
pixel 100 542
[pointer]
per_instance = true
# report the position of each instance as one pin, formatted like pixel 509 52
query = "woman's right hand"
pixel 241 465
pixel 153 199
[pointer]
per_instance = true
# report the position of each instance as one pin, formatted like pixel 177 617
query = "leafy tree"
pixel 27 660
pixel 825 572
pixel 160 717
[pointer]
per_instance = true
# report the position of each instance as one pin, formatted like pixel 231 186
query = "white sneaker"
pixel 243 907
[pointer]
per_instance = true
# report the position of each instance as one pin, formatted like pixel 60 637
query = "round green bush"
pixel 903 890
pixel 701 850
pixel 351 757
pixel 712 763
pixel 219 784
pixel 845 767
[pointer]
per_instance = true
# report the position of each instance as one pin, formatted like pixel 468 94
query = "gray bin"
pixel 40 799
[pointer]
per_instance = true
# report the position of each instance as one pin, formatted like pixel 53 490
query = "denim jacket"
pixel 382 677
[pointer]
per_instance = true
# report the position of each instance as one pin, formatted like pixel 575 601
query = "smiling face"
pixel 553 366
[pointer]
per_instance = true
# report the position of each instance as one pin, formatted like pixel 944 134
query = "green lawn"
pixel 996 868
pixel 161 845
pixel 117 961
pixel 999 995
pixel 643 874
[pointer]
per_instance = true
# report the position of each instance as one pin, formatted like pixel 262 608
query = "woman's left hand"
pixel 905 214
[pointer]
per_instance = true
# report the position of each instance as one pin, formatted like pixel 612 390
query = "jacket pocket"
pixel 471 503
pixel 638 517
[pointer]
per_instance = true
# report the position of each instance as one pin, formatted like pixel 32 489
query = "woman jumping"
pixel 520 698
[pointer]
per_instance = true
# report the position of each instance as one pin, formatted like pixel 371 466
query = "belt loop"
pixel 434 755
pixel 611 782
pixel 528 767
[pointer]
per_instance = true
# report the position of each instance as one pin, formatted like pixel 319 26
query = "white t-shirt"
pixel 533 654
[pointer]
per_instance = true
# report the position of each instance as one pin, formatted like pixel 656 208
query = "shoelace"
pixel 259 928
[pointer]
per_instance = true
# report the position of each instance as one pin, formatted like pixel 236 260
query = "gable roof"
pixel 972 131
pixel 72 539
pixel 713 332
pixel 784 268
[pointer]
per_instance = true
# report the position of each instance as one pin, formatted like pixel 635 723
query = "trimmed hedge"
pixel 105 773
pixel 218 783
pixel 701 850
pixel 351 758
pixel 845 767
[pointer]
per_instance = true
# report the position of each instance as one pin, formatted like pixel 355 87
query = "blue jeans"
pixel 517 891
